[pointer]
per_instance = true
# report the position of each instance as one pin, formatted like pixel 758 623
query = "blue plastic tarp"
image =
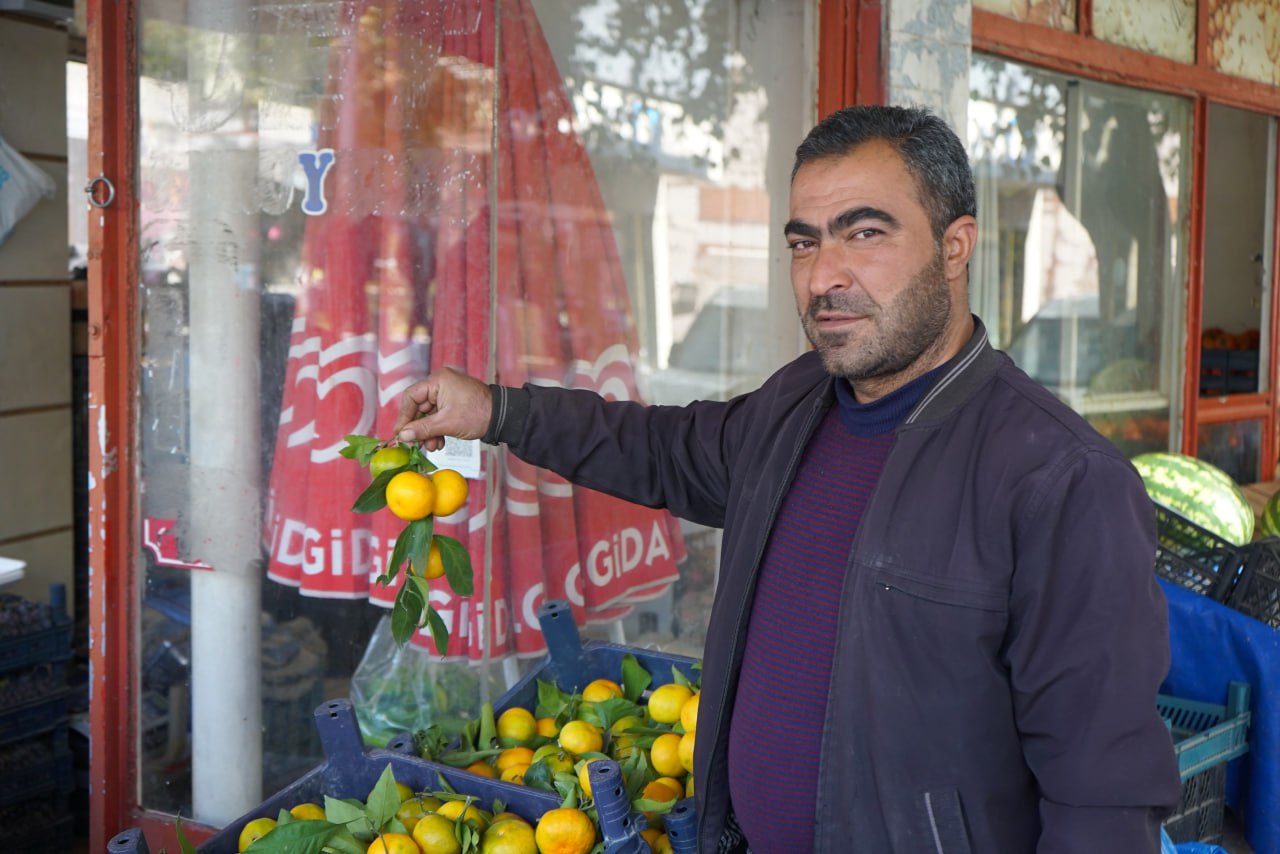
pixel 1213 645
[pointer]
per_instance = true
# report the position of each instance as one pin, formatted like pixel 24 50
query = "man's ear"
pixel 957 245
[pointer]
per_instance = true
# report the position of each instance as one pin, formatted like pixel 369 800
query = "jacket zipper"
pixel 749 590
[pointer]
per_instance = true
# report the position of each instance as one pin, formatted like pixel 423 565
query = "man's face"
pixel 869 278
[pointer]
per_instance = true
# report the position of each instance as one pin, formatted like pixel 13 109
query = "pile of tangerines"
pixel 649 734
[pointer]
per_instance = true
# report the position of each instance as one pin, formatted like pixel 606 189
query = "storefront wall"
pixel 323 202
pixel 318 202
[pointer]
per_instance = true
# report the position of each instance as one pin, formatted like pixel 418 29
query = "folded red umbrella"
pixel 425 236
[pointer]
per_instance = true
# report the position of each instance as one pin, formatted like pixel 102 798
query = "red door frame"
pixel 113 272
pixel 1077 53
pixel 849 71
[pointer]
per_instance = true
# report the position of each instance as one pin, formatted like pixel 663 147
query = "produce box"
pixel 1206 737
pixel 1257 592
pixel 571 664
pixel 1195 558
pixel 40 766
pixel 351 771
pixel 33 633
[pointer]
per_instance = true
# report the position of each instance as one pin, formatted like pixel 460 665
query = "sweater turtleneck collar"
pixel 883 415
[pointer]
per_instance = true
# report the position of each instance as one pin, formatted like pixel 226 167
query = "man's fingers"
pixel 447 403
pixel 416 400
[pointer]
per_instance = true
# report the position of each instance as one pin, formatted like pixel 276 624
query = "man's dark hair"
pixel 933 154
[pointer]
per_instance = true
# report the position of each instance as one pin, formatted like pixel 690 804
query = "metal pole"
pixel 225 494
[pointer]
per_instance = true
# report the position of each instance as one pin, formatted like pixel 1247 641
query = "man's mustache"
pixel 845 303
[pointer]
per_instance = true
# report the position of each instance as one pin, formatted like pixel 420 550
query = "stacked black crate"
pixel 36 776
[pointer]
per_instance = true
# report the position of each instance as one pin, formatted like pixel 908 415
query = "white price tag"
pixel 461 455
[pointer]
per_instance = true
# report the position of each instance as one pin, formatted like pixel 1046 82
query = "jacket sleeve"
pixel 657 456
pixel 1087 650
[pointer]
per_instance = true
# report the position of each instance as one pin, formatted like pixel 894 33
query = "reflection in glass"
pixel 1080 259
pixel 1233 446
pixel 325 217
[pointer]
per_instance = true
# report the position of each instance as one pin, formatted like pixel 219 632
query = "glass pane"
pixel 338 197
pixel 1059 14
pixel 1080 266
pixel 1235 299
pixel 1163 27
pixel 1234 447
pixel 1242 39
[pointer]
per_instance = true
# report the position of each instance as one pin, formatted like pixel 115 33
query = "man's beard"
pixel 900 333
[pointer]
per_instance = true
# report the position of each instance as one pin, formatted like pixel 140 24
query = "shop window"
pixel 1235 299
pixel 338 197
pixel 1080 264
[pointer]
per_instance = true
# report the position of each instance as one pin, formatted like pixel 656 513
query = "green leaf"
pixel 439 631
pixel 360 448
pixel 384 800
pixel 296 837
pixel 405 614
pixel 184 844
pixel 419 545
pixel 678 677
pixel 374 498
pixel 344 842
pixel 350 815
pixel 551 700
pixel 457 565
pixel 538 776
pixel 430 742
pixel 399 554
pixel 418 461
pixel 488 727
pixel 284 817
pixel 463 758
pixel 634 678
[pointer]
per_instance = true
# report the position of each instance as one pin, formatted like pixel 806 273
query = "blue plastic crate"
pixel 571 664
pixel 44 645
pixel 36 767
pixel 1206 737
pixel 35 717
pixel 350 771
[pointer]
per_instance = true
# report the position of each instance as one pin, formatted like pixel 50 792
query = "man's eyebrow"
pixel 801 229
pixel 841 222
pixel 853 216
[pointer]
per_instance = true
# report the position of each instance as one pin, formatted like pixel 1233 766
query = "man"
pixel 936 626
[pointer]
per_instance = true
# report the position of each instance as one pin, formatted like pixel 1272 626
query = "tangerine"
pixel 411 495
pixel 451 491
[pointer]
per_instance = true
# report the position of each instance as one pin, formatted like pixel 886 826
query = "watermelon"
pixel 1270 524
pixel 1199 492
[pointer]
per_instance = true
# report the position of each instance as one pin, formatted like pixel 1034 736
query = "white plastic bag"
pixel 22 184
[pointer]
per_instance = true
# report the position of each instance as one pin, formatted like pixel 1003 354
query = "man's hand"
pixel 446 403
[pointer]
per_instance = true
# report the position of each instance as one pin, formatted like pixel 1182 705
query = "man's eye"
pixel 799 245
pixel 864 233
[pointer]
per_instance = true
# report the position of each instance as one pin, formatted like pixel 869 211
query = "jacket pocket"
pixel 944 591
pixel 945 816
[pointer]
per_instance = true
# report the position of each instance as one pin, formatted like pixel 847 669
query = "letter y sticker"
pixel 315 165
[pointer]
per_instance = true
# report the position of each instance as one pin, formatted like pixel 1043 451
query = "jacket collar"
pixel 976 361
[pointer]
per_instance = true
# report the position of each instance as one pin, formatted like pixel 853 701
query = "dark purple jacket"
pixel 1002 637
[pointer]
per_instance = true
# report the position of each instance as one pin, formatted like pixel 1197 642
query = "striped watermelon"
pixel 1198 491
pixel 1270 524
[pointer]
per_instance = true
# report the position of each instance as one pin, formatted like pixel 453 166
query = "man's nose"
pixel 830 271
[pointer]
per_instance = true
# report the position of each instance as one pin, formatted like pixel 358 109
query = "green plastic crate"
pixel 1206 737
